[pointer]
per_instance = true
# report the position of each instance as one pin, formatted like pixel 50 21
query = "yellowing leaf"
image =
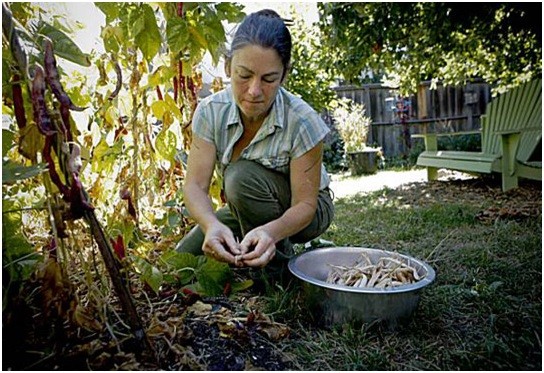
pixel 158 108
pixel 166 145
pixel 198 37
pixel 111 115
pixel 173 107
pixel 160 76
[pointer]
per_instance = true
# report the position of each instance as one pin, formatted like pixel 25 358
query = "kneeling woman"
pixel 267 144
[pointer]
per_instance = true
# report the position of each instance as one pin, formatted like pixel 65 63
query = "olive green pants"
pixel 255 196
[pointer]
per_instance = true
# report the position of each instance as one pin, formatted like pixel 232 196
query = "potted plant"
pixel 353 126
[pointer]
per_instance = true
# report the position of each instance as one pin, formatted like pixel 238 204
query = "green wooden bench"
pixel 511 130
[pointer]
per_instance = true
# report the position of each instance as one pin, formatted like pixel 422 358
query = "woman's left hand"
pixel 264 248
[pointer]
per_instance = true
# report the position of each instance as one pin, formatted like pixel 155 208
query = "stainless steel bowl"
pixel 337 304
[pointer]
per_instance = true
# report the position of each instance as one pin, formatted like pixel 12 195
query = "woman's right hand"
pixel 219 244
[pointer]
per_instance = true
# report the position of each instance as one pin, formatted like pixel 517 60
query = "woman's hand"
pixel 263 245
pixel 219 243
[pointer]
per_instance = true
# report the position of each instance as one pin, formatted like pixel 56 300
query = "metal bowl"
pixel 338 304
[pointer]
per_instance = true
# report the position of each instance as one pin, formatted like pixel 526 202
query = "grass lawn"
pixel 484 310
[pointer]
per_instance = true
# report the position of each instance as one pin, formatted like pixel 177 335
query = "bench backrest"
pixel 518 109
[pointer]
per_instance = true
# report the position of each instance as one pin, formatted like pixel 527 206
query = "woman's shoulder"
pixel 298 109
pixel 294 101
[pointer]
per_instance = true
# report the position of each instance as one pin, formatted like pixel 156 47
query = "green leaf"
pixel 64 46
pixel 197 35
pixel 18 255
pixel 12 171
pixel 174 219
pixel 148 273
pixel 7 141
pixel 104 156
pixel 136 22
pixel 212 277
pixel 149 38
pixel 183 264
pixel 112 37
pixel 166 144
pixel 241 286
pixel 179 260
pixel 177 35
pixel 13 241
pixel 172 106
pixel 230 11
pixel 110 10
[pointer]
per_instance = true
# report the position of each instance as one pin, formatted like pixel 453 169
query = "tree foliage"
pixel 450 42
pixel 309 76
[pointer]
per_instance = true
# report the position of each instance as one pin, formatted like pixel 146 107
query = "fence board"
pixel 447 108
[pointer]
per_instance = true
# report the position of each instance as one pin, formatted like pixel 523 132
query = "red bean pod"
pixel 51 248
pixel 41 117
pixel 118 246
pixel 192 88
pixel 181 79
pixel 179 9
pixel 176 88
pixel 159 93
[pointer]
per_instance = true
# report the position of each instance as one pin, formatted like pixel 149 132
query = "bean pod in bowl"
pixel 342 284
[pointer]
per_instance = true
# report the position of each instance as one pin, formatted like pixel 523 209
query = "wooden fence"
pixel 394 118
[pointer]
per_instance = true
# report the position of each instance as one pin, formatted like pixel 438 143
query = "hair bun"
pixel 268 13
pixel 273 14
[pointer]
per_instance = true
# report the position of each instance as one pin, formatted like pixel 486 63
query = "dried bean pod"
pixel 41 117
pixel 51 166
pixel 119 82
pixel 364 282
pixel 52 77
pixel 8 28
pixel 78 199
pixel 18 102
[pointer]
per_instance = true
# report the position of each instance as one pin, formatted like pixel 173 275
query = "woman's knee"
pixel 237 177
pixel 248 180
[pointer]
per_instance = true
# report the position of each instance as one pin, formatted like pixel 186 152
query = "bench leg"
pixel 510 144
pixel 432 173
pixel 431 143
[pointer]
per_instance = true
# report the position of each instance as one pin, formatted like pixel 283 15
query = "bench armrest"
pixel 442 134
pixel 431 139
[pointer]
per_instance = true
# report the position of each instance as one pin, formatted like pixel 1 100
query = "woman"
pixel 268 145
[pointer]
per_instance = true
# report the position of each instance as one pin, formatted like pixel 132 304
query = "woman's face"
pixel 256 75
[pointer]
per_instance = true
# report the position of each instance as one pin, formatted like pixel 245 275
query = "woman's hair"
pixel 266 29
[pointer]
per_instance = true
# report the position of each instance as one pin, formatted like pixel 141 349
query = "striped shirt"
pixel 290 130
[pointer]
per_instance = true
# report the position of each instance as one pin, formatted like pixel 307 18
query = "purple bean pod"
pixel 52 77
pixel 41 117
